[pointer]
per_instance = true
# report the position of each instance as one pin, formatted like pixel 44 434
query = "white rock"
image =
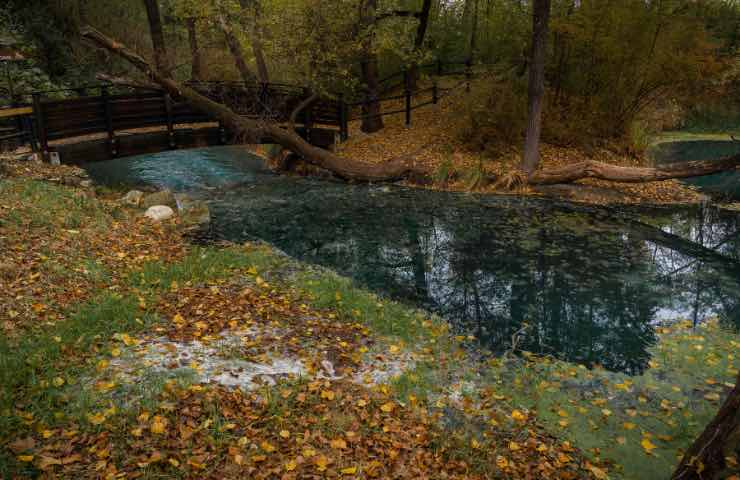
pixel 133 198
pixel 159 213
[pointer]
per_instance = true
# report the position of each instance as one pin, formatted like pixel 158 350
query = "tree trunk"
pixel 255 37
pixel 371 109
pixel 161 60
pixel 235 47
pixel 605 171
pixel 196 69
pixel 540 20
pixel 707 458
pixel 473 32
pixel 258 130
pixel 421 32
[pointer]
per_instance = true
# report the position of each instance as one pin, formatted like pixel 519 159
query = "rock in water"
pixel 194 213
pixel 159 213
pixel 133 198
pixel 165 197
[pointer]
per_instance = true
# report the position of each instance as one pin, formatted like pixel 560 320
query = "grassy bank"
pixel 129 353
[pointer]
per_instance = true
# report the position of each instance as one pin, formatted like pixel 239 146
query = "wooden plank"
pixel 14 112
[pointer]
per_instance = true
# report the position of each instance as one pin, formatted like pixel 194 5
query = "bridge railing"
pixel 106 109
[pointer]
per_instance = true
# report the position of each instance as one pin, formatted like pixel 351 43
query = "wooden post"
pixel 435 92
pixel 221 133
pixel 170 120
pixel 38 113
pixel 108 112
pixel 343 119
pixel 408 97
pixel 439 67
pixel 308 116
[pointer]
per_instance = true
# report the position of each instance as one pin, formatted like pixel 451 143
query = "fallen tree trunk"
pixel 614 173
pixel 258 130
pixel 399 168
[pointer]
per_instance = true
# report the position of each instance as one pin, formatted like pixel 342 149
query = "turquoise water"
pixel 583 284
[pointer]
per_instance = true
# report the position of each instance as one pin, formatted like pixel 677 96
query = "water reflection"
pixel 586 285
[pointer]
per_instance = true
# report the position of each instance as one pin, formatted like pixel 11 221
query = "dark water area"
pixel 584 284
pixel 722 185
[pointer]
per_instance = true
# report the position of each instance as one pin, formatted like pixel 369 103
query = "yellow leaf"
pixel 259 458
pixel 96 419
pixel 338 443
pixel 647 445
pixel 25 458
pixel 712 397
pixel 115 352
pixel 598 473
pixel 349 471
pixel 519 416
pixel 158 425
pixel 475 444
pixel 629 425
pixel 513 446
pixel 501 462
pixel 606 412
pixel 290 466
pixel 58 381
pixel 267 447
pixel 387 407
pixel 361 403
pixel 284 434
pixel 327 394
pixel 321 463
pixel 562 413
pixel 173 462
pixel 394 349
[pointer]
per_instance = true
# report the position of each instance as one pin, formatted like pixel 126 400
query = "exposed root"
pixel 513 180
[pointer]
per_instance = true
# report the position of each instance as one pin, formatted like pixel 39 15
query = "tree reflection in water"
pixel 588 283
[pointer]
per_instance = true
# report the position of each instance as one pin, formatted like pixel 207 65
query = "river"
pixel 585 284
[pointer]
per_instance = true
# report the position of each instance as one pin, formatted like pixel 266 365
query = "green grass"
pixel 353 304
pixel 203 264
pixel 42 204
pixel 28 365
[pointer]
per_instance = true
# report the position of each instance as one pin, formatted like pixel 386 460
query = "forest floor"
pixel 435 142
pixel 128 352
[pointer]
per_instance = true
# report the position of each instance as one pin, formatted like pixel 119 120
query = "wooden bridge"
pixel 104 121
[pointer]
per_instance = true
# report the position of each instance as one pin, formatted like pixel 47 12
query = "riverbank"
pixel 434 143
pixel 129 352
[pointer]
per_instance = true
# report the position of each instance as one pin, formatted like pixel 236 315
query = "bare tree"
pixel 255 37
pixel 235 47
pixel 540 21
pixel 157 33
pixel 196 71
pixel 372 121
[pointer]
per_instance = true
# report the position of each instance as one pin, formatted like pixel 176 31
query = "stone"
pixel 159 213
pixel 164 197
pixel 192 212
pixel 133 198
pixel 86 183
